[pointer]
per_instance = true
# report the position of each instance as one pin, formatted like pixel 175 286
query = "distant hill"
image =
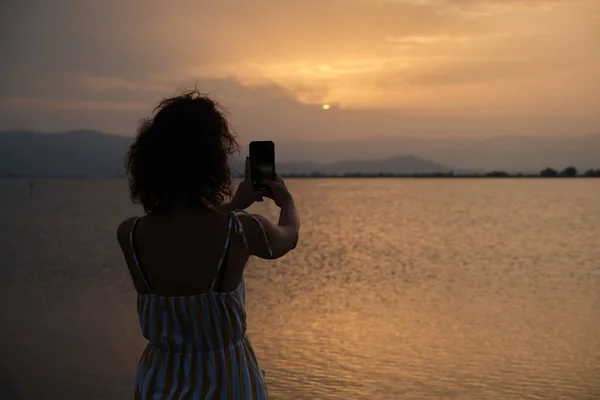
pixel 77 153
pixel 393 165
pixel 96 154
pixel 508 153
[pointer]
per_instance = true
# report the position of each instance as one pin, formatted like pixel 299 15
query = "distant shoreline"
pixel 324 176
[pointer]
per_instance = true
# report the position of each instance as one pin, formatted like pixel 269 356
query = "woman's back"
pixel 180 251
pixel 197 342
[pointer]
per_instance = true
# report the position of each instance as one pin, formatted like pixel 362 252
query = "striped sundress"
pixel 197 345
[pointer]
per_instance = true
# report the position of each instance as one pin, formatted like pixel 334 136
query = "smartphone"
pixel 262 163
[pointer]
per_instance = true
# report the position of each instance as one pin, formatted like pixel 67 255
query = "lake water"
pixel 399 289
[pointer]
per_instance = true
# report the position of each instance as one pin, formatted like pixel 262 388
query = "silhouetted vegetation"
pixel 497 174
pixel 549 172
pixel 568 172
pixel 592 172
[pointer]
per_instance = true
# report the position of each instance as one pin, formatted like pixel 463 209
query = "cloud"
pixel 278 60
pixel 117 38
pixel 106 84
pixel 453 39
pixel 458 73
pixel 272 111
pixel 58 104
pixel 503 6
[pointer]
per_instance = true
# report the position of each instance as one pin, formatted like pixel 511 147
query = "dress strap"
pixel 240 231
pixel 135 257
pixel 223 255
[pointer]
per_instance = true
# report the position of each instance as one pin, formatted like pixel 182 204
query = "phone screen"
pixel 262 163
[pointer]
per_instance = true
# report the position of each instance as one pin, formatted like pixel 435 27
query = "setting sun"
pixel 326 107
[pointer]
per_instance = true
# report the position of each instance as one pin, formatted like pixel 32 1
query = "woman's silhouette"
pixel 187 254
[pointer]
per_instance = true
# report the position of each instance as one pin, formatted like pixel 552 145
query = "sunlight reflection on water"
pixel 412 289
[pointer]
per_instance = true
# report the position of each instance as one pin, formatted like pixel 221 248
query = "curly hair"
pixel 181 154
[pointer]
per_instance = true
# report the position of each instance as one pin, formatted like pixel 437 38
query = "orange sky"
pixel 390 67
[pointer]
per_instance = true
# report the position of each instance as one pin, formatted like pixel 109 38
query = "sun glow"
pixel 326 106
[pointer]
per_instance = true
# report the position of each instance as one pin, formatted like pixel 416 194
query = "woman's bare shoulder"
pixel 124 229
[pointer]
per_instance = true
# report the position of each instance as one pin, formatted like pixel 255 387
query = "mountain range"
pixel 92 153
pixel 95 154
pixel 508 153
pixel 399 165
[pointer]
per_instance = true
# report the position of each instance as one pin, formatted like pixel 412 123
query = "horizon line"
pixel 413 137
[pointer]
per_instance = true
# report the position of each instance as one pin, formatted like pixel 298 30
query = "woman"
pixel 187 255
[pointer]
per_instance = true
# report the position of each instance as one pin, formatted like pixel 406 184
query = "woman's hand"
pixel 278 191
pixel 245 194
